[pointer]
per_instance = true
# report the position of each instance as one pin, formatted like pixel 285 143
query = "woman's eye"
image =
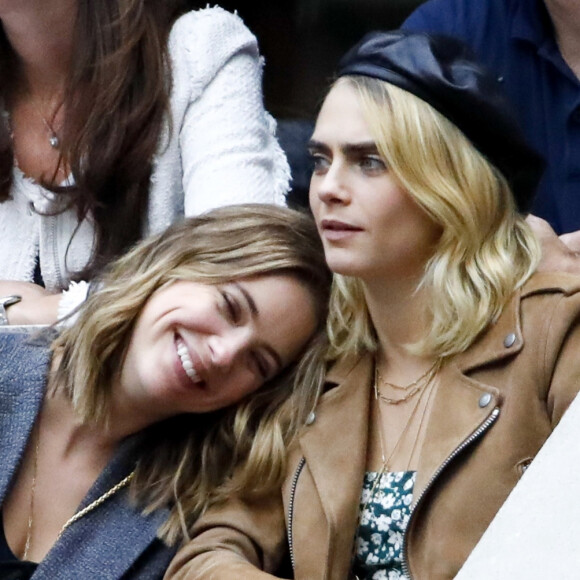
pixel 372 164
pixel 261 365
pixel 231 307
pixel 319 163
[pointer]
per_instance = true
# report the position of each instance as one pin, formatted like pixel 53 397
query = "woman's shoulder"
pixel 203 41
pixel 558 283
pixel 17 340
pixel 25 356
pixel 550 304
pixel 211 32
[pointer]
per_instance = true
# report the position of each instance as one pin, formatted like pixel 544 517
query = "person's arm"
pixel 38 305
pixel 241 540
pixel 229 152
pixel 572 241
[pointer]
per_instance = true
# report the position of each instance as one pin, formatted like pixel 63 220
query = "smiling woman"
pixel 196 348
pixel 181 369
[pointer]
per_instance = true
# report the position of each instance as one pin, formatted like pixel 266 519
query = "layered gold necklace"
pixel 409 390
pixel 419 385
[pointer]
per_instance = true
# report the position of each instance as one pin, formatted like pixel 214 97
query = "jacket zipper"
pixel 55 255
pixel 465 443
pixel 301 464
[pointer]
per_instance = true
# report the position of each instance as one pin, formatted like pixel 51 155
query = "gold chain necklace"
pixel 386 460
pixel 417 385
pixel 78 515
pixel 403 387
pixel 431 373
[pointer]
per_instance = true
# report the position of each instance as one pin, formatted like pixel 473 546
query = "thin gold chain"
pixel 31 508
pixel 78 515
pixel 385 461
pixel 418 385
pixel 404 387
pixel 95 504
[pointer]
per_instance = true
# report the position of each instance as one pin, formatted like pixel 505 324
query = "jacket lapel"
pixel 109 539
pixel 462 403
pixel 460 406
pixel 503 338
pixel 333 447
pixel 23 369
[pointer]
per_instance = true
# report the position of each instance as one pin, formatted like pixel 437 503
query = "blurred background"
pixel 302 41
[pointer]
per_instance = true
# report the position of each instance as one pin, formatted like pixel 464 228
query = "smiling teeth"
pixel 186 363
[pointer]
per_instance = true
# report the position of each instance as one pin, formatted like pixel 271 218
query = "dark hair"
pixel 115 104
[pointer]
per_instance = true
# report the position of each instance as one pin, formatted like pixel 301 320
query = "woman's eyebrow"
pixel 362 148
pixel 347 149
pixel 314 145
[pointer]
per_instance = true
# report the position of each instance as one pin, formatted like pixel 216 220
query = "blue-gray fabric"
pixel 111 542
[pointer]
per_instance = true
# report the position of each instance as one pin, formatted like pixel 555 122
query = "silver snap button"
pixel 509 340
pixel 311 418
pixel 485 400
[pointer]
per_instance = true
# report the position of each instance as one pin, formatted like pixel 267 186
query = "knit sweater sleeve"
pixel 229 153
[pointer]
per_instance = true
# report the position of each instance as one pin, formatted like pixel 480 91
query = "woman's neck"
pixel 75 434
pixel 397 310
pixel 41 35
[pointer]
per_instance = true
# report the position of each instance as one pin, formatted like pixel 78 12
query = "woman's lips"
pixel 334 230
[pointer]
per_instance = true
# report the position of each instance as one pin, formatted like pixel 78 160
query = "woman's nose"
pixel 331 186
pixel 225 348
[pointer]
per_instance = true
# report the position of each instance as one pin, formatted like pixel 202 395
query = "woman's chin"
pixel 346 266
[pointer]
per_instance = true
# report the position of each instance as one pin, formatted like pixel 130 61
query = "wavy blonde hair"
pixel 187 460
pixel 486 250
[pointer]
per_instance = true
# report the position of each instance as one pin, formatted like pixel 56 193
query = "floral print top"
pixel 385 508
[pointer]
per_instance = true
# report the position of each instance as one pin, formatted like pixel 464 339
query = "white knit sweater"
pixel 222 150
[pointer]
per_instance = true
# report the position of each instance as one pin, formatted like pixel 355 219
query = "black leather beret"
pixel 443 72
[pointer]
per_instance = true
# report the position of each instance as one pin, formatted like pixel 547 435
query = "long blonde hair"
pixel 188 460
pixel 486 250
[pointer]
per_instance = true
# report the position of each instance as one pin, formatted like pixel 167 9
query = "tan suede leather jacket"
pixel 494 407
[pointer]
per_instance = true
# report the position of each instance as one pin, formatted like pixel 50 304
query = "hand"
pixel 572 240
pixel 559 254
pixel 38 305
